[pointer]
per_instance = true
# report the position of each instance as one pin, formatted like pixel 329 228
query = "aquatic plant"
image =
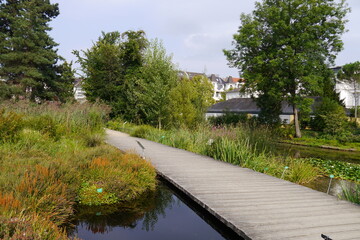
pixel 351 194
pixel 342 170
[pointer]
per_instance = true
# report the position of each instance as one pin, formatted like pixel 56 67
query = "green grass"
pixel 54 158
pixel 243 145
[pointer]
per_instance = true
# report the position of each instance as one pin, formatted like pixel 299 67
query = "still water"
pixel 160 215
pixel 298 151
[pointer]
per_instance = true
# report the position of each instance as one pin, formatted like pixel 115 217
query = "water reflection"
pixel 148 209
pixel 314 152
pixel 160 215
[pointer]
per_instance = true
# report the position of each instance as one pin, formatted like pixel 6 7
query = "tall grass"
pixel 54 158
pixel 351 194
pixel 245 145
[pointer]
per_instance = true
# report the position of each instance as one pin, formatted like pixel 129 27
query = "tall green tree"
pixel 28 58
pixel 283 49
pixel 111 68
pixel 64 86
pixel 190 100
pixel 350 74
pixel 158 76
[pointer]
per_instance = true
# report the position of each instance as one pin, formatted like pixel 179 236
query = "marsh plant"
pixel 52 157
pixel 246 145
pixel 351 194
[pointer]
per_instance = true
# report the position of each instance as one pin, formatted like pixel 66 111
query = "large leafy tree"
pixel 158 76
pixel 190 100
pixel 350 74
pixel 283 50
pixel 28 58
pixel 111 68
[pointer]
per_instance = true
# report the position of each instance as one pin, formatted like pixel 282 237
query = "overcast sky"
pixel 194 31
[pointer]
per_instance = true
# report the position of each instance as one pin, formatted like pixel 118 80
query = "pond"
pixel 164 214
pixel 298 151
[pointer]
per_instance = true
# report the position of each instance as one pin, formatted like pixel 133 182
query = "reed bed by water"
pixel 53 157
pixel 243 145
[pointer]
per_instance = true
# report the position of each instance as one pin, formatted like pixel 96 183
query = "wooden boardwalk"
pixel 254 205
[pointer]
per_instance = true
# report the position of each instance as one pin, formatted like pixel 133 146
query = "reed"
pixel 55 157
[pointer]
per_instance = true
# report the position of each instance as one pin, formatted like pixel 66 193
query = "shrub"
pixel 10 125
pixel 329 118
pixel 142 131
pixel 301 172
pixel 44 124
pixel 229 118
pixel 93 140
pixel 93 194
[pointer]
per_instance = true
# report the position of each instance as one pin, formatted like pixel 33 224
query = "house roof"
pixel 248 105
pixel 216 78
pixel 189 75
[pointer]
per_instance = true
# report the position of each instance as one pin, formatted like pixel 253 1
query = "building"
pixel 248 106
pixel 79 93
pixel 349 93
pixel 223 86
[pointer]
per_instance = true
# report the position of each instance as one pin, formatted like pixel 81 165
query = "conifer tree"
pixel 28 58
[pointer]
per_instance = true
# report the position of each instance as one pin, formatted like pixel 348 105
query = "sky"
pixel 193 31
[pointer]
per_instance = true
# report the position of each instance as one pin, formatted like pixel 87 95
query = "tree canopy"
pixel 137 78
pixel 283 50
pixel 110 70
pixel 190 100
pixel 350 74
pixel 158 76
pixel 28 58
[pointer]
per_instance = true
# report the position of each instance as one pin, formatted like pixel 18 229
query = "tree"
pixel 28 56
pixel 330 118
pixel 111 67
pixel 283 49
pixel 158 76
pixel 190 100
pixel 65 84
pixel 350 74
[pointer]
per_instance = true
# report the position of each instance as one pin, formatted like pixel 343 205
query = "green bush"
pixel 329 118
pixel 45 124
pixel 93 195
pixel 10 125
pixel 228 119
pixel 142 130
pixel 301 172
pixel 93 139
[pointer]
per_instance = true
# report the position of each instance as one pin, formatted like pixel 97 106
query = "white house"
pixel 79 93
pixel 349 93
pixel 222 86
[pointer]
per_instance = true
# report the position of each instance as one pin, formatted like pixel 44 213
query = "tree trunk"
pixel 296 121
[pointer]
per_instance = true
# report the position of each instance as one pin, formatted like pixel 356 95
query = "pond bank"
pixel 320 146
pixel 166 214
pixel 301 151
pixel 247 201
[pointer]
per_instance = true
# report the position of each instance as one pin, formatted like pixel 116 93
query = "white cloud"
pixel 195 31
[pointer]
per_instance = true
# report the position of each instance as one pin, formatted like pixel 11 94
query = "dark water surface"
pixel 298 151
pixel 161 215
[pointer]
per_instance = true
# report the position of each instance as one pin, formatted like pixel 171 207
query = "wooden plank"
pixel 254 205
